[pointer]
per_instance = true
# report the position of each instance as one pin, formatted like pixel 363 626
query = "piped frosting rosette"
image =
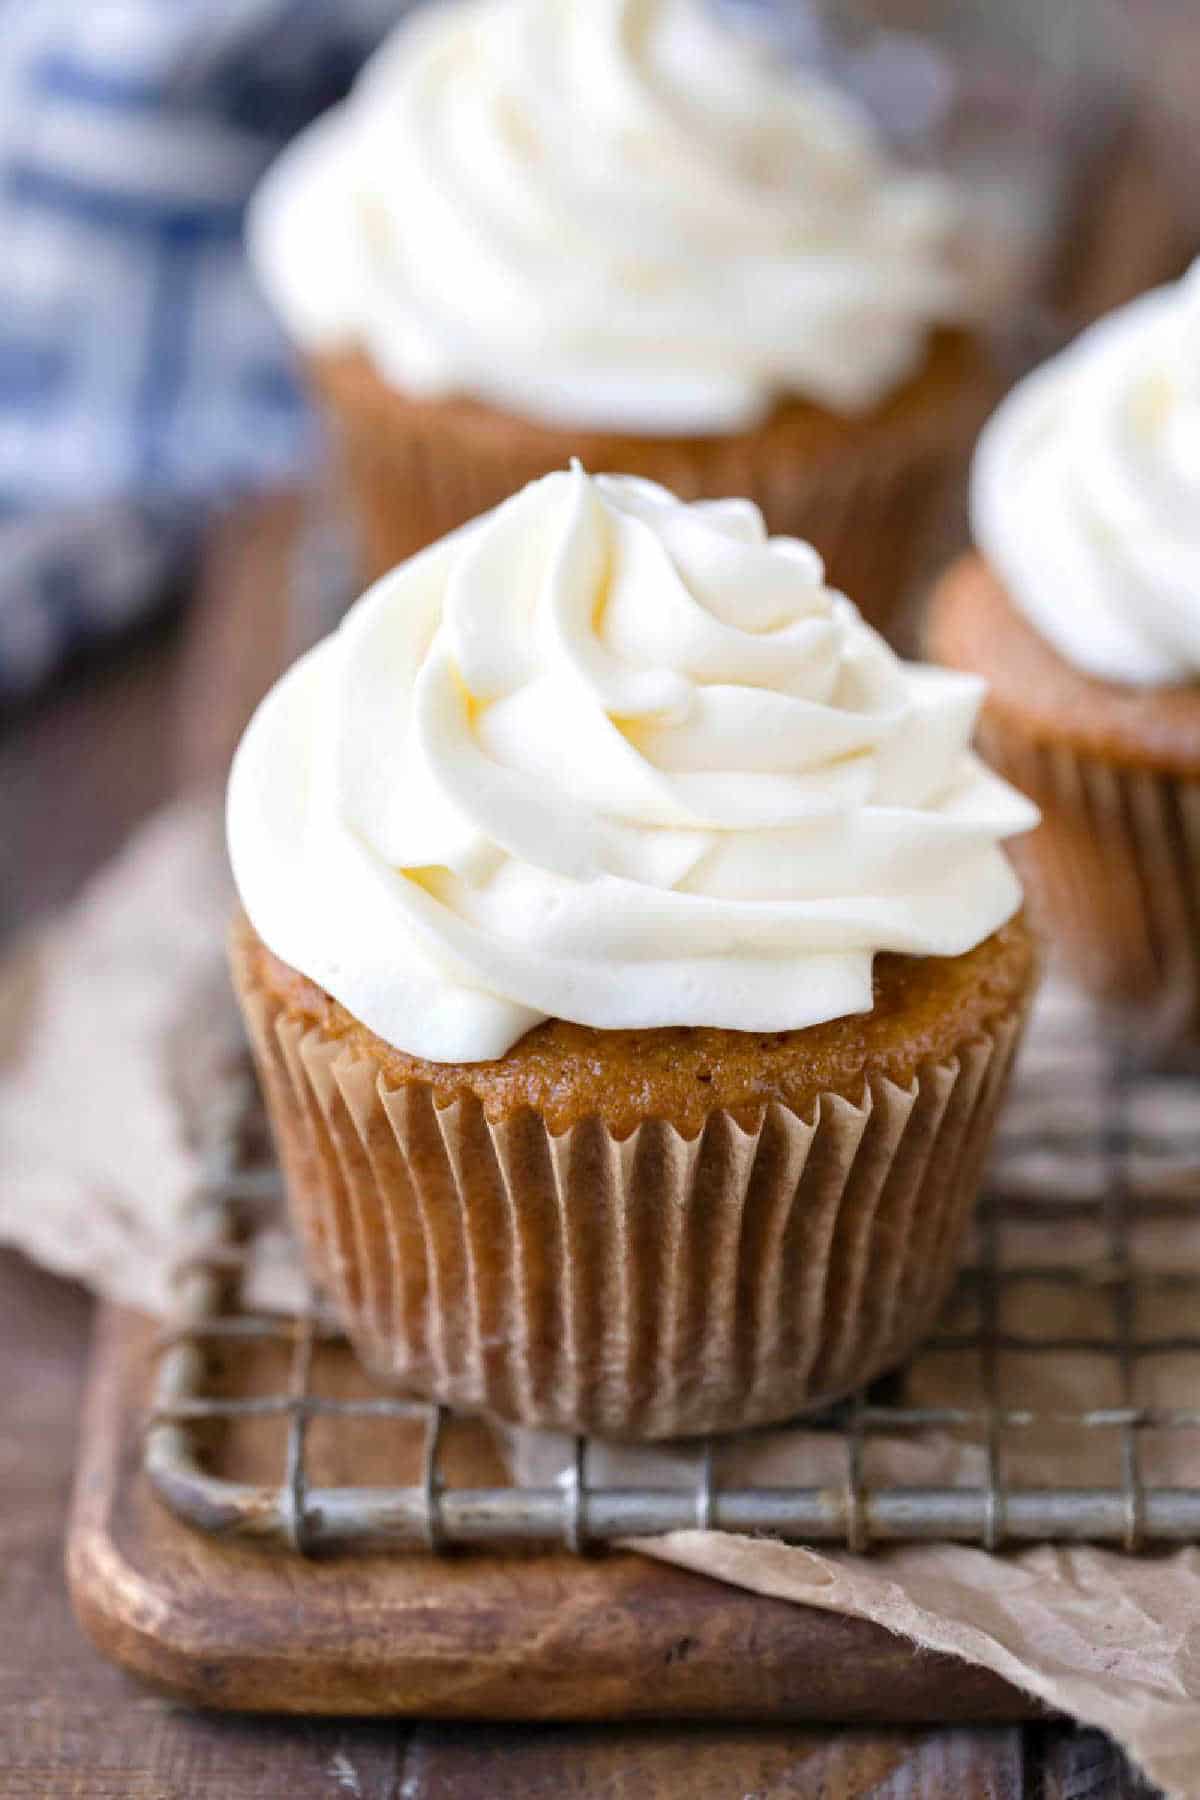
pixel 1086 493
pixel 611 758
pixel 620 214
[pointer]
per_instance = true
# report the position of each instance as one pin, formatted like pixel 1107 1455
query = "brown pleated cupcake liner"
pixel 647 1287
pixel 868 503
pixel 1112 876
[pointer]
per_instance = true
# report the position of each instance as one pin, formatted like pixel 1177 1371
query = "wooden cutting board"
pixel 470 1637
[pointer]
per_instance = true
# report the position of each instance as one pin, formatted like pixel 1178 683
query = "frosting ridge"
pixel 611 758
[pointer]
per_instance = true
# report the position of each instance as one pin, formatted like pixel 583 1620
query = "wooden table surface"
pixel 76 773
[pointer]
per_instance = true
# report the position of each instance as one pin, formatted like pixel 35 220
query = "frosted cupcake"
pixel 623 231
pixel 1083 613
pixel 632 965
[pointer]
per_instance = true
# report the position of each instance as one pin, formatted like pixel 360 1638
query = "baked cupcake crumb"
pixel 925 1007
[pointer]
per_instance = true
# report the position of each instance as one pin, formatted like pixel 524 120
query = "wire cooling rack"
pixel 1059 1400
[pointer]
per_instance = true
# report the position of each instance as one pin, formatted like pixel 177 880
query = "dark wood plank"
pixel 77 772
pixel 1084 1765
pixel 242 631
pixel 72 1726
pixel 81 767
pixel 544 1637
pixel 1130 233
pixel 710 1763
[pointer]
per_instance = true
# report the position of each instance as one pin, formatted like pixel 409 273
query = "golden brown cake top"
pixel 974 625
pixel 925 1008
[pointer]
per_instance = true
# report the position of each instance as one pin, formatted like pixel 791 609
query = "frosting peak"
pixel 610 758
pixel 620 214
pixel 1086 493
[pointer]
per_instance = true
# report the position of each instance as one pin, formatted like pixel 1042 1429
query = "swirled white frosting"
pixel 621 214
pixel 606 757
pixel 1086 493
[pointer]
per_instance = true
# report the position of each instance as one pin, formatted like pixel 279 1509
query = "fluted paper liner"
pixel 867 505
pixel 1112 874
pixel 646 1287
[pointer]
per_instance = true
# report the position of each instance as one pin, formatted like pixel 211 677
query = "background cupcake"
pixel 623 231
pixel 566 862
pixel 1083 613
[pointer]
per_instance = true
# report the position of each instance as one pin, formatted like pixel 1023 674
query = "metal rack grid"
pixel 578 1511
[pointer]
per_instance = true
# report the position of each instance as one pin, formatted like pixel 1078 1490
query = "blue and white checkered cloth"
pixel 141 377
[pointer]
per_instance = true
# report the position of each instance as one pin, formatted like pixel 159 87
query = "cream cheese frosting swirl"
pixel 1086 493
pixel 618 214
pixel 606 757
